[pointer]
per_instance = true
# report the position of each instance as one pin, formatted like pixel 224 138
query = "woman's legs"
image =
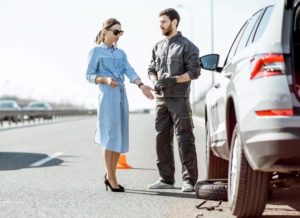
pixel 116 157
pixel 109 157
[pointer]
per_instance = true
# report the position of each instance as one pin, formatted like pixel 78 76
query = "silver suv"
pixel 12 107
pixel 252 112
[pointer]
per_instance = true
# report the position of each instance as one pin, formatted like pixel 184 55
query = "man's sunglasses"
pixel 117 32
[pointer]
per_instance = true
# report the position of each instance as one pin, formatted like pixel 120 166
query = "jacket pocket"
pixel 175 66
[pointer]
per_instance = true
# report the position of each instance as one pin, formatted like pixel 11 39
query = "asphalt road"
pixel 55 170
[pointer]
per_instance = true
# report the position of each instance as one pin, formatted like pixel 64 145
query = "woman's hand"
pixel 111 82
pixel 147 91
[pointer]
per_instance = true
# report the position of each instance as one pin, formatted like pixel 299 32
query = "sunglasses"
pixel 117 32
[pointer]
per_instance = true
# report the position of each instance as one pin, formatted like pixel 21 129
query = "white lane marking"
pixel 47 159
pixel 199 120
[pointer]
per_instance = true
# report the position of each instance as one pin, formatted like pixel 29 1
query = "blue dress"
pixel 112 131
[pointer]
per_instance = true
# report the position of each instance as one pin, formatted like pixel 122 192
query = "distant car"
pixel 252 112
pixel 10 105
pixel 43 110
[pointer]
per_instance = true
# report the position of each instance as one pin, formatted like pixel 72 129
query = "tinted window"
pixel 248 30
pixel 263 23
pixel 235 43
pixel 6 105
pixel 253 33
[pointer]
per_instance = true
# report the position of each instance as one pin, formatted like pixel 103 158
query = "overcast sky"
pixel 44 44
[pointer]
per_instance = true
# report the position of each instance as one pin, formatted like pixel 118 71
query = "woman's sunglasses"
pixel 117 32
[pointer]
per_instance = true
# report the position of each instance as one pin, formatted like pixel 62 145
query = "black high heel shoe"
pixel 121 187
pixel 113 189
pixel 106 182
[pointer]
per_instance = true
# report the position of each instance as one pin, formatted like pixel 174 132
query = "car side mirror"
pixel 210 62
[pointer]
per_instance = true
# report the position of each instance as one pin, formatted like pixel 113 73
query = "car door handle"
pixel 228 75
pixel 217 85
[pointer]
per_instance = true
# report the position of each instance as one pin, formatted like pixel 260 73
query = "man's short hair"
pixel 171 13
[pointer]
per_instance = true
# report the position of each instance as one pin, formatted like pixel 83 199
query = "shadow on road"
pixel 284 200
pixel 162 193
pixel 280 216
pixel 19 160
pixel 136 168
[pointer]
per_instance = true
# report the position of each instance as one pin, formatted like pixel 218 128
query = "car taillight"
pixel 280 112
pixel 267 65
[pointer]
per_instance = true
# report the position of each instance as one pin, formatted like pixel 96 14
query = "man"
pixel 174 63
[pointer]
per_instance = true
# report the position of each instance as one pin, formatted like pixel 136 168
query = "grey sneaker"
pixel 187 187
pixel 160 185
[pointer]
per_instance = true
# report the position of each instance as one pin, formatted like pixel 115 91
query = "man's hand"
pixel 157 89
pixel 166 82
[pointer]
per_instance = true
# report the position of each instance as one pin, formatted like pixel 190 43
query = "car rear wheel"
pixel 217 168
pixel 247 189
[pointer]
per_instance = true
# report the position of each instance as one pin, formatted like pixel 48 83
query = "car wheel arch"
pixel 231 119
pixel 205 113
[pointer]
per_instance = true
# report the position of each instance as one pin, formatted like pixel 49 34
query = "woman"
pixel 107 67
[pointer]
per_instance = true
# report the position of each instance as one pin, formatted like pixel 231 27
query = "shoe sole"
pixel 187 190
pixel 166 187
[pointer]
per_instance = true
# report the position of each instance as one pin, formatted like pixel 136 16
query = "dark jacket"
pixel 173 57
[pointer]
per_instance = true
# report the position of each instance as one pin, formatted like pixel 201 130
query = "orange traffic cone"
pixel 122 163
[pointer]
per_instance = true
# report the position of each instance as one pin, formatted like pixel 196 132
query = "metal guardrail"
pixel 21 115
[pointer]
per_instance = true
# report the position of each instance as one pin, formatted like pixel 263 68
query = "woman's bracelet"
pixel 140 84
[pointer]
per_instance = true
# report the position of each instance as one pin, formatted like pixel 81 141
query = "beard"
pixel 168 31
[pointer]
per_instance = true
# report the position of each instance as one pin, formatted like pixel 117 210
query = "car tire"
pixel 216 168
pixel 211 190
pixel 247 189
pixel 15 119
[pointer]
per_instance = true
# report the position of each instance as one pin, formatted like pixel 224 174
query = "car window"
pixel 38 105
pixel 250 40
pixel 263 23
pixel 248 30
pixel 235 43
pixel 6 105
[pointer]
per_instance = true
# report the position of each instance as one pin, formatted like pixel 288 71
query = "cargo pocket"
pixel 185 123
